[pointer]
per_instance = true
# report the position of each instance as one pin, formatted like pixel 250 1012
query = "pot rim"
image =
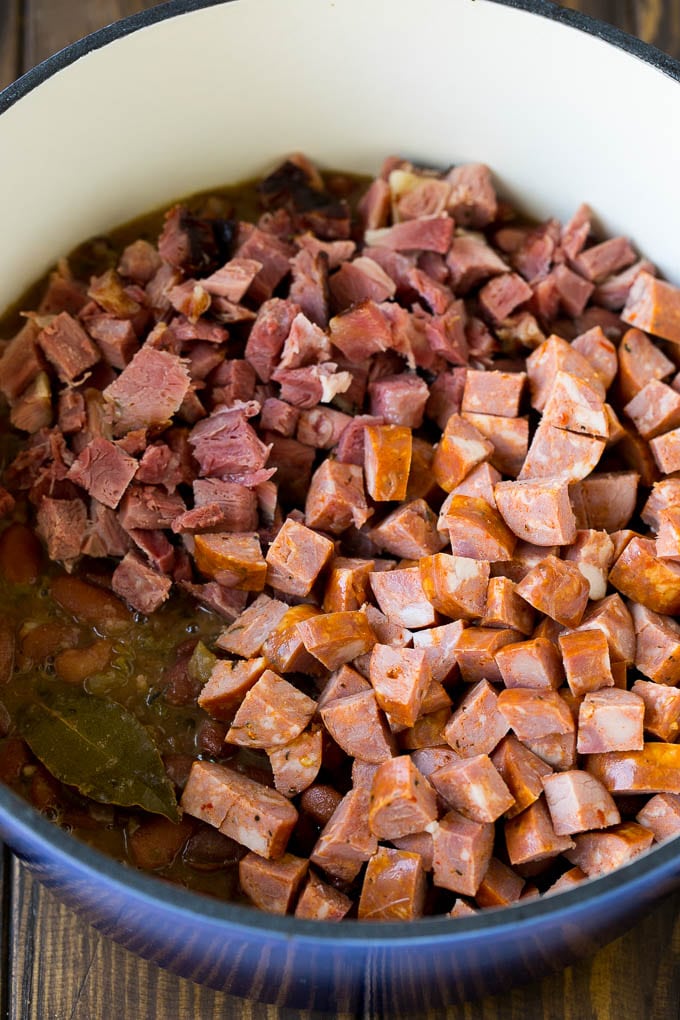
pixel 28 827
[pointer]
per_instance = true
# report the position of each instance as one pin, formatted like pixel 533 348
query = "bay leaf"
pixel 97 746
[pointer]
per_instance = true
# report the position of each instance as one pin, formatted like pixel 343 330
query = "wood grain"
pixel 10 41
pixel 58 968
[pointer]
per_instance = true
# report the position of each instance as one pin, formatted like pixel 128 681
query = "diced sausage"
pixel 662 709
pixel 476 726
pixel 272 713
pixel 639 361
pixel 235 561
pixel 410 531
pixel 246 635
pixel 654 306
pixel 596 853
pixel 612 617
pixel 346 840
pixel 394 887
pixel 461 853
pixel 530 836
pixel 476 529
pixel 439 644
pixel 654 409
pixel 358 726
pixel 656 648
pixel 296 557
pixel 609 498
pixel 521 771
pixel 654 769
pixel 535 713
pixel 534 663
pixel 229 682
pixel 387 460
pixel 321 902
pixel 400 677
pixel 593 552
pixel 556 451
pixel 537 510
pixel 474 787
pixel 335 498
pixel 402 800
pixel 496 393
pixel 585 656
pixel 272 885
pixel 645 578
pixel 558 589
pixel 296 765
pixel 336 638
pixel 578 802
pixel 476 650
pixel 661 815
pixel 455 585
pixel 508 436
pixel 573 404
pixel 401 596
pixel 461 448
pixel 610 720
pixel 504 608
pixel 500 885
pixel 239 807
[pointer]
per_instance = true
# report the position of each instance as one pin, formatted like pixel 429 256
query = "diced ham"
pixel 142 587
pixel 149 507
pixel 104 471
pixel 502 295
pixel 268 334
pixel 430 233
pixel 471 260
pixel 473 201
pixel 62 524
pixel 253 815
pixel 613 292
pixel 361 331
pixel 67 346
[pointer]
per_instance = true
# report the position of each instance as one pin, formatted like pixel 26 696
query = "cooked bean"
pixel 75 664
pixel 20 554
pixel 91 605
pixel 156 842
pixel 7 650
pixel 47 639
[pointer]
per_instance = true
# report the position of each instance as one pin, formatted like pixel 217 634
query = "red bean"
pixel 156 843
pixel 76 664
pixel 92 605
pixel 20 555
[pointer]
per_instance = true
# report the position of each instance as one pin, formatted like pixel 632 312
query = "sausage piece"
pixel 393 887
pixel 402 800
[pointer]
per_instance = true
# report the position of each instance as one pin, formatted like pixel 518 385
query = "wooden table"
pixel 53 966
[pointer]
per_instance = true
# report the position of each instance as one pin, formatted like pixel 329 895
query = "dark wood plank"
pixel 61 968
pixel 10 41
pixel 53 24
